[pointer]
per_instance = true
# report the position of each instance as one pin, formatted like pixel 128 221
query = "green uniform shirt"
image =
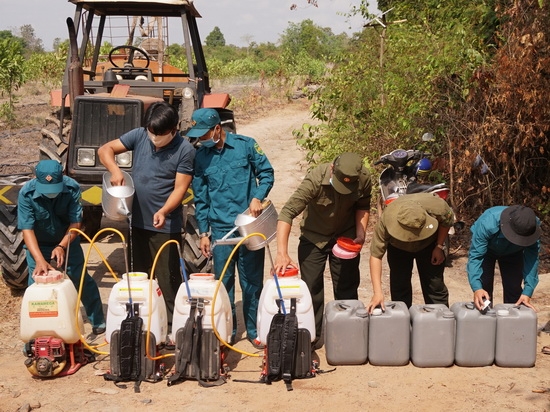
pixel 327 213
pixel 433 204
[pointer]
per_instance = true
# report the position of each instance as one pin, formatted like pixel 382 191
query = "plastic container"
pixel 475 335
pixel 203 285
pixel 390 335
pixel 432 335
pixel 346 329
pixel 291 287
pixel 49 307
pixel 116 201
pixel 140 287
pixel 516 336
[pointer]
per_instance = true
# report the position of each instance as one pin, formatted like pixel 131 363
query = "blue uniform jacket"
pixel 49 218
pixel 487 238
pixel 227 180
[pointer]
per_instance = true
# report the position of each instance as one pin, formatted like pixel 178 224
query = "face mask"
pixel 51 195
pixel 160 140
pixel 209 143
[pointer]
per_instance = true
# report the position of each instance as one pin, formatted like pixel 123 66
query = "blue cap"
pixel 203 120
pixel 49 177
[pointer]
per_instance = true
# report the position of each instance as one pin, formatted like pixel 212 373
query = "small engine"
pixel 46 356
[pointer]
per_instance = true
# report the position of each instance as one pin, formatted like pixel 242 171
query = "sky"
pixel 240 21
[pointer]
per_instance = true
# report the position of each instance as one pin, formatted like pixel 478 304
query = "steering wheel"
pixel 130 56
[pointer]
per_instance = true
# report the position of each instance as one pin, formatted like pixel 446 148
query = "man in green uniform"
pixel 335 198
pixel 412 228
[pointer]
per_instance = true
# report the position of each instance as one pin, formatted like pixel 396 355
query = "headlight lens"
pixel 86 157
pixel 124 159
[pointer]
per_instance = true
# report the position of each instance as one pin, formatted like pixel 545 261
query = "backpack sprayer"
pixel 51 323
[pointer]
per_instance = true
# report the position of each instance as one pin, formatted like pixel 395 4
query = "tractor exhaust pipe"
pixel 76 74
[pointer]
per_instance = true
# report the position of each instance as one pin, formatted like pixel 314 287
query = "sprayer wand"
pixel 276 280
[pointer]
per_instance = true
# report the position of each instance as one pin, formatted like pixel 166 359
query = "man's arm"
pixel 107 154
pixel 174 200
pixel 42 266
pixel 361 222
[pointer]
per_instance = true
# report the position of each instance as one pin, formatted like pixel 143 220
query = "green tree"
pixel 32 43
pixel 215 38
pixel 11 73
pixel 318 42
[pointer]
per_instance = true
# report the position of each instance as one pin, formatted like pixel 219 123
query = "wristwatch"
pixel 204 234
pixel 442 247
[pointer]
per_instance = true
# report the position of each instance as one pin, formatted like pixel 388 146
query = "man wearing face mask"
pixel 162 171
pixel 48 207
pixel 335 198
pixel 232 173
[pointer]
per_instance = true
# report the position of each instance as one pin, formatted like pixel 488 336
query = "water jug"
pixel 389 335
pixel 49 307
pixel 475 335
pixel 148 295
pixel 203 285
pixel 432 335
pixel 346 329
pixel 291 286
pixel 516 341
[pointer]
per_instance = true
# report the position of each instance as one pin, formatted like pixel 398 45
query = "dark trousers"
pixel 431 276
pixel 344 274
pixel 511 271
pixel 145 246
pixel 250 267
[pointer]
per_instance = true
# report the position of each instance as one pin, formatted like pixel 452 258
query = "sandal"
pixel 546 350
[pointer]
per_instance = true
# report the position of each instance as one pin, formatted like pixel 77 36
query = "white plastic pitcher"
pixel 117 200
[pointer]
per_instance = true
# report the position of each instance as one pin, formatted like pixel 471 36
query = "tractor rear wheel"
pixel 13 261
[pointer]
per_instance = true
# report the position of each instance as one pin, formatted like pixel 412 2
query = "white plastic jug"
pixel 49 307
pixel 203 285
pixel 140 287
pixel 291 287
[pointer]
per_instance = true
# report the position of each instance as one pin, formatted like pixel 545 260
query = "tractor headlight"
pixel 124 159
pixel 86 157
pixel 188 93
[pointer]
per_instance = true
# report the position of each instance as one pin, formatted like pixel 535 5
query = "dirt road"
pixel 355 388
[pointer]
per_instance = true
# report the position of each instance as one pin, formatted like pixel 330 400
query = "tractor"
pixel 118 65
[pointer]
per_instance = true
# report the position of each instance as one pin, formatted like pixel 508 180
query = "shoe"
pixel 256 343
pixel 98 330
pixel 546 350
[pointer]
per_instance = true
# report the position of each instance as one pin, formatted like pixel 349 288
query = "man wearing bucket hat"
pixel 162 172
pixel 510 236
pixel 48 207
pixel 412 228
pixel 232 174
pixel 335 198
